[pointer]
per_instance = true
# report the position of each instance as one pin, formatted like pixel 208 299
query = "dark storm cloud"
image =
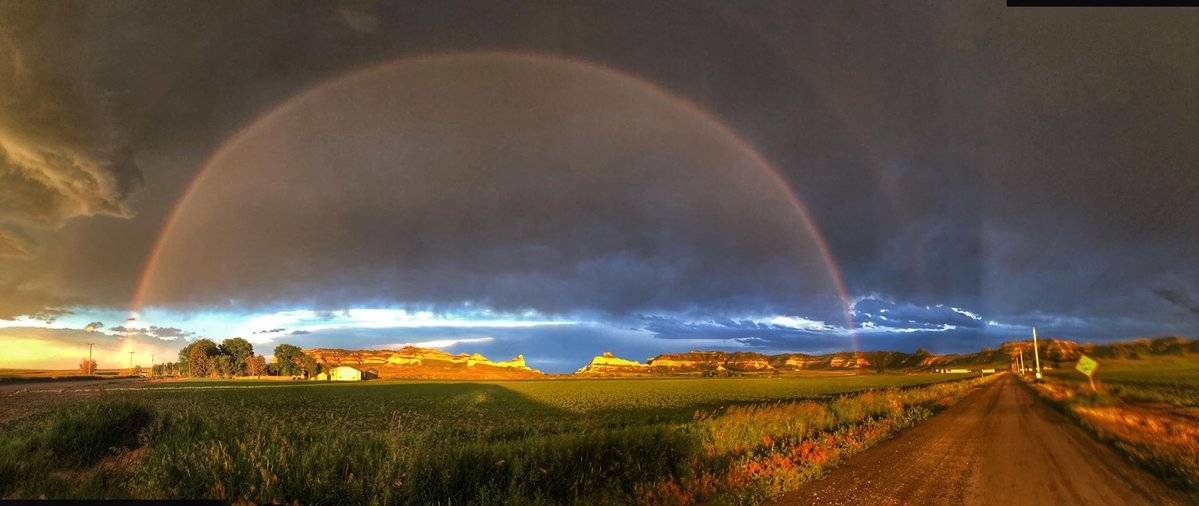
pixel 62 152
pixel 32 302
pixel 1032 166
pixel 13 243
pixel 1179 298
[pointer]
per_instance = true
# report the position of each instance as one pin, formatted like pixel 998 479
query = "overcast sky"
pixel 563 179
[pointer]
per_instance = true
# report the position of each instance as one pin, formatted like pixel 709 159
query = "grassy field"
pixel 1173 380
pixel 1148 408
pixel 515 442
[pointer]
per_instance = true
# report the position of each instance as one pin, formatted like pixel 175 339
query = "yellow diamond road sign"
pixel 1086 365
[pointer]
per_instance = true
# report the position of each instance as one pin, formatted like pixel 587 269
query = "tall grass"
pixel 45 458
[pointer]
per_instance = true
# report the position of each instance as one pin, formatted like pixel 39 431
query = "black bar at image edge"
pixel 1103 3
pixel 135 502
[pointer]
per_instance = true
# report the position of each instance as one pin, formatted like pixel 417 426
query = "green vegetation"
pixel 79 438
pixel 517 442
pixel 67 441
pixel 1173 380
pixel 235 356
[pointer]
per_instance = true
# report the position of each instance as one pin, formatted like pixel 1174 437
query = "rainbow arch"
pixel 812 229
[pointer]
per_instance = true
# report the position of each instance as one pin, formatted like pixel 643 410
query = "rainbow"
pixel 654 90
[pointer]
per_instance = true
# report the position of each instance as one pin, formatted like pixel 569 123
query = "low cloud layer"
pixel 874 312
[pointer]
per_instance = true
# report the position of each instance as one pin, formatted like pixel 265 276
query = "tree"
pixel 195 357
pixel 287 359
pixel 310 366
pixel 256 365
pixel 240 350
pixel 224 366
pixel 166 369
pixel 87 366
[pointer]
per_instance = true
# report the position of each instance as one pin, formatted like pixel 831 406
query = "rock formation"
pixel 414 362
pixel 609 364
pixel 713 361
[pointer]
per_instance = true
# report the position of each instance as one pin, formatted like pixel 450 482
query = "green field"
pixel 1173 380
pixel 481 442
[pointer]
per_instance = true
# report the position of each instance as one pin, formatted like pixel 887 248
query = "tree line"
pixel 204 358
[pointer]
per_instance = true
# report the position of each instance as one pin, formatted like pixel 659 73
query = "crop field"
pixel 580 441
pixel 613 395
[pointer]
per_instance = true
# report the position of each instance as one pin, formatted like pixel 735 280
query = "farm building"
pixel 341 373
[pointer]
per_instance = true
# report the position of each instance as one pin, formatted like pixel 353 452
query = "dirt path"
pixel 22 399
pixel 997 446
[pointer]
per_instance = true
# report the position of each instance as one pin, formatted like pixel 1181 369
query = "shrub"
pixel 81 437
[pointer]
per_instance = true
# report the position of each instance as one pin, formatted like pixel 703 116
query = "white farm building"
pixel 340 373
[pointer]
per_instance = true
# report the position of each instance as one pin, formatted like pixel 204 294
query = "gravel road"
pixel 999 445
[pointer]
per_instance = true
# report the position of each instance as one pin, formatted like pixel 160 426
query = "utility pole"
pixel 1035 353
pixel 90 368
pixel 131 362
pixel 1021 360
pixel 151 364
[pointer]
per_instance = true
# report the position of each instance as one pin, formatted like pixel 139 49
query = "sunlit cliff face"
pixel 510 183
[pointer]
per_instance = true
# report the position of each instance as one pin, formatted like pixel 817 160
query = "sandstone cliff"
pixel 723 363
pixel 609 364
pixel 414 362
pixel 711 361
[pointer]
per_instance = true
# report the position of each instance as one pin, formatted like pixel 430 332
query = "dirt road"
pixel 20 399
pixel 999 445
